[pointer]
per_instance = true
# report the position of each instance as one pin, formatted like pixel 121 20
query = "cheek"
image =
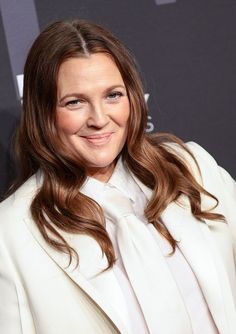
pixel 123 116
pixel 69 123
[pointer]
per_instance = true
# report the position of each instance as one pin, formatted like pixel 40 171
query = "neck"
pixel 102 174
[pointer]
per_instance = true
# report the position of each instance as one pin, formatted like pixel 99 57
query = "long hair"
pixel 58 204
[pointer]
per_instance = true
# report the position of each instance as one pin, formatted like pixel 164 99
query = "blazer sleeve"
pixel 218 182
pixel 10 320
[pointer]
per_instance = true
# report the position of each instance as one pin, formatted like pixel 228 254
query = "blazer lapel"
pixel 227 288
pixel 191 241
pixel 196 242
pixel 102 288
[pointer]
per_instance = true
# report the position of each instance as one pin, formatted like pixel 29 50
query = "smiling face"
pixel 93 111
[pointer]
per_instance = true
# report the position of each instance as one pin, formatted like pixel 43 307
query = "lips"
pixel 96 139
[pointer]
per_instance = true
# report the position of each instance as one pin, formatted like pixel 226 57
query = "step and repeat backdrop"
pixel 186 51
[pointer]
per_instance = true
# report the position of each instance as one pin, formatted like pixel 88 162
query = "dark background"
pixel 186 51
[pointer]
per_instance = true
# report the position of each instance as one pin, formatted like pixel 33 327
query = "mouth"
pixel 98 139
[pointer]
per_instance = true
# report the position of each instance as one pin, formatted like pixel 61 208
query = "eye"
pixel 73 104
pixel 114 95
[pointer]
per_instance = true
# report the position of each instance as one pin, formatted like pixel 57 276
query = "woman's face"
pixel 93 111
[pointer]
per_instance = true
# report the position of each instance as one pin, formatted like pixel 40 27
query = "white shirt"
pixel 196 307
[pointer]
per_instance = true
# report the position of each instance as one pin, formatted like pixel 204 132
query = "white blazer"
pixel 40 294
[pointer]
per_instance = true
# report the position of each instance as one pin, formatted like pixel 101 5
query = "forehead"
pixel 95 69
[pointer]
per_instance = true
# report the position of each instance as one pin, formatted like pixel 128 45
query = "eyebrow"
pixel 86 96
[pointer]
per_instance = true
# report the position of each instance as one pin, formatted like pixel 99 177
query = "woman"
pixel 109 229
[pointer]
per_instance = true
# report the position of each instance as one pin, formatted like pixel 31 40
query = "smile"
pixel 98 139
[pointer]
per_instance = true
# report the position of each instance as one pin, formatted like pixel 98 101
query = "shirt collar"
pixel 121 179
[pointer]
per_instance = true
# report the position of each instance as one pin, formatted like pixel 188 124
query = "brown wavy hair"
pixel 58 204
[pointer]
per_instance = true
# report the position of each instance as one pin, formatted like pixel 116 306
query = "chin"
pixel 102 164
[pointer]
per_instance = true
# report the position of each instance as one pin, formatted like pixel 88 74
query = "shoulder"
pixel 203 166
pixel 212 177
pixel 211 172
pixel 205 169
pixel 14 208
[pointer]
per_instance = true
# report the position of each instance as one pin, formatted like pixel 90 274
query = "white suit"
pixel 38 294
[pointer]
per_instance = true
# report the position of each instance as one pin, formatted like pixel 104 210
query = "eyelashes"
pixel 73 102
pixel 115 95
pixel 77 103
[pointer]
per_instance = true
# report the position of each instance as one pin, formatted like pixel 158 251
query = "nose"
pixel 98 116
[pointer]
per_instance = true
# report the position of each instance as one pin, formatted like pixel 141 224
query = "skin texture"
pixel 93 111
